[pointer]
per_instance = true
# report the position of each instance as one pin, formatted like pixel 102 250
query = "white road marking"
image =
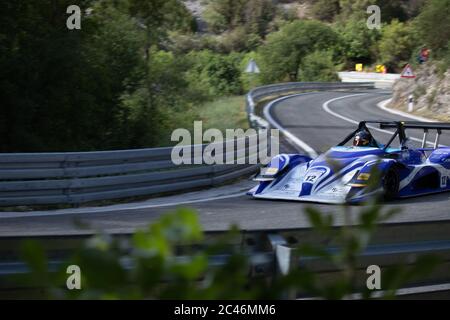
pixel 6 215
pixel 399 292
pixel 327 109
pixel 296 141
pixel 382 106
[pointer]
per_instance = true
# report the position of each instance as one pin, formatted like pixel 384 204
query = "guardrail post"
pixel 67 191
pixel 410 103
pixel 284 259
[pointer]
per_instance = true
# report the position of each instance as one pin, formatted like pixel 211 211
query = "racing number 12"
pixel 311 178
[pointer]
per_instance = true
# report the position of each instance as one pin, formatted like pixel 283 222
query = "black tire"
pixel 390 184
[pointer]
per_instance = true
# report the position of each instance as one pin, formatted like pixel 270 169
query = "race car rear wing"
pixel 425 126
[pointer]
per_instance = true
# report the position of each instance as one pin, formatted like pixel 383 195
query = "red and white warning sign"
pixel 408 72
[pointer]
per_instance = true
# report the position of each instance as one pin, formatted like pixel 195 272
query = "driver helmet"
pixel 362 139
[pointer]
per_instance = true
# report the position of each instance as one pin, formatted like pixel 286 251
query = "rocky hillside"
pixel 301 9
pixel 431 92
pixel 197 7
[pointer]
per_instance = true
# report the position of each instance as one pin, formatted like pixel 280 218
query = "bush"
pixel 217 22
pixel 354 9
pixel 240 40
pixel 258 16
pixel 433 25
pixel 318 66
pixel 284 50
pixel 254 15
pixel 444 64
pixel 215 74
pixel 357 43
pixel 390 9
pixel 148 266
pixel 325 10
pixel 396 44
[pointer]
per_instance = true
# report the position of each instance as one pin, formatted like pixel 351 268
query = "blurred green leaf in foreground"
pixel 174 259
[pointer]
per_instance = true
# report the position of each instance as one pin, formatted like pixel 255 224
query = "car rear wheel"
pixel 390 184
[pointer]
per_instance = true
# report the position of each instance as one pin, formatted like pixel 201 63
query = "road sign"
pixel 252 67
pixel 380 68
pixel 359 67
pixel 408 72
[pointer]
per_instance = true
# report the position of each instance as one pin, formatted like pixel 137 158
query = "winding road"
pixel 319 120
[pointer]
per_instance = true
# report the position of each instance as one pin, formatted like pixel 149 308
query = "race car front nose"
pixel 336 187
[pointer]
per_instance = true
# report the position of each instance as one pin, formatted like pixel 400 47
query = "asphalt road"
pixel 304 116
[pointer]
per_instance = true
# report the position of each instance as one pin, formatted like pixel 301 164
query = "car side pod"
pixel 360 194
pixel 273 168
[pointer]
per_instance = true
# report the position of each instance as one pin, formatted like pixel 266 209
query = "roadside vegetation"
pixel 224 113
pixel 148 265
pixel 139 69
pixel 432 83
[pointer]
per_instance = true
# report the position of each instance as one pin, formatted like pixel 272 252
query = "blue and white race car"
pixel 354 173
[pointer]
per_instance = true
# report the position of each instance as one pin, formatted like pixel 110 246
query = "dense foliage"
pixel 138 69
pixel 149 266
pixel 284 50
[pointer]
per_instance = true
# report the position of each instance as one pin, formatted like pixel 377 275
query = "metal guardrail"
pixel 80 177
pixel 272 253
pixel 261 93
pixel 380 80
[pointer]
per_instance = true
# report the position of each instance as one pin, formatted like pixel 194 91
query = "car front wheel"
pixel 390 184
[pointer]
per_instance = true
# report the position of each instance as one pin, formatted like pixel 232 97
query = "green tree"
pixel 433 25
pixel 355 9
pixel 325 10
pixel 390 9
pixel 224 15
pixel 254 15
pixel 159 16
pixel 318 66
pixel 61 87
pixel 217 74
pixel 284 50
pixel 396 44
pixel 239 40
pixel 258 15
pixel 357 43
pixel 80 90
pixel 151 111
